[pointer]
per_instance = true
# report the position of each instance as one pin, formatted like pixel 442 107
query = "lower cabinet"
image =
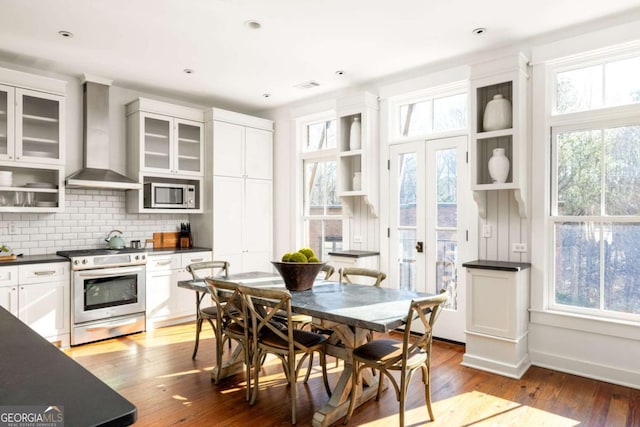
pixel 497 317
pixel 38 294
pixel 167 304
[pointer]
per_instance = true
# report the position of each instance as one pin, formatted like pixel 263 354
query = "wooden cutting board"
pixel 166 240
pixel 8 257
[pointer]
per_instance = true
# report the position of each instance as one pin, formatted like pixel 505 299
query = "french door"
pixel 431 216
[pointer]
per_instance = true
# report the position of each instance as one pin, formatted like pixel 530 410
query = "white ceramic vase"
pixel 354 134
pixel 497 114
pixel 499 166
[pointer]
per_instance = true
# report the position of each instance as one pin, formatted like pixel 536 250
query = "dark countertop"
pixel 354 253
pixel 483 264
pixel 35 372
pixel 39 259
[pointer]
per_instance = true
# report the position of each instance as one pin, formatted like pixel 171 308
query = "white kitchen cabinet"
pixel 167 304
pixel 165 144
pixel 361 160
pixel 31 126
pixel 238 215
pixel 497 317
pixel 164 138
pixel 32 135
pixel 509 78
pixel 38 294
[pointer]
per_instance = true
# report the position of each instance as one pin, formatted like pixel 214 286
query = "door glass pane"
pixel 40 127
pixel 156 143
pixel 407 258
pixel 446 266
pixel 407 191
pixel 622 270
pixel 4 149
pixel 446 188
pixel 577 264
pixel 622 157
pixel 188 147
pixel 578 182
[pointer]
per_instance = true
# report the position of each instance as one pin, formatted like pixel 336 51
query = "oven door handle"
pixel 110 273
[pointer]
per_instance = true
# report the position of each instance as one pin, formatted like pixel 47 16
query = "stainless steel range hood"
pixel 95 172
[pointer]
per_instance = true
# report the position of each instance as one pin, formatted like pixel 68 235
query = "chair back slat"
pixel 425 311
pixel 228 302
pixel 348 275
pixel 196 267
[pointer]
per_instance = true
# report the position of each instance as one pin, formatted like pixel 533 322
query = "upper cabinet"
pixel 241 151
pixel 358 150
pixel 164 139
pixel 499 129
pixel 31 126
pixel 32 137
pixel 165 144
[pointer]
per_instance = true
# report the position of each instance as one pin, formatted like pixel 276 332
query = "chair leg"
pixel 427 390
pixel 306 377
pixel 198 329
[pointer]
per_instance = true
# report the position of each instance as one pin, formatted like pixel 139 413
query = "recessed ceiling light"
pixel 252 24
pixel 339 73
pixel 478 31
pixel 266 95
pixel 67 34
pixel 189 71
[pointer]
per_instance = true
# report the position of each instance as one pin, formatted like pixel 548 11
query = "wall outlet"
pixel 519 247
pixel 357 239
pixel 486 230
pixel 13 228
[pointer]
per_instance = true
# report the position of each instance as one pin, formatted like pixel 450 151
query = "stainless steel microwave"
pixel 162 195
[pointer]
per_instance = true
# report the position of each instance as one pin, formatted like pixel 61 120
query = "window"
pixel 322 216
pixel 595 205
pixel 425 115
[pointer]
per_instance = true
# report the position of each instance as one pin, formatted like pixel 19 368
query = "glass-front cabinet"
pixel 170 145
pixel 31 126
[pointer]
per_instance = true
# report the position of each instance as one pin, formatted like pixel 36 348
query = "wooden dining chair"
pixel 406 356
pixel 198 271
pixel 353 275
pixel 269 337
pixel 233 324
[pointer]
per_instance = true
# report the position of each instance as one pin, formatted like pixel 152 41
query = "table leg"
pixel 341 344
pixel 233 365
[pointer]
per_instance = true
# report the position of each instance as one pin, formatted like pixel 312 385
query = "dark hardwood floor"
pixel 155 372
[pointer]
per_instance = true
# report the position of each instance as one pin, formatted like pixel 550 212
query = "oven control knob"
pixel 137 257
pixel 84 260
pixel 143 257
pixel 76 262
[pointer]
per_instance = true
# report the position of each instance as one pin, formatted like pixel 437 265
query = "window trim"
pixel 597 118
pixel 443 91
pixel 302 124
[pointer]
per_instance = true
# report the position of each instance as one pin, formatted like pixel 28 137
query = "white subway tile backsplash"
pixel 88 218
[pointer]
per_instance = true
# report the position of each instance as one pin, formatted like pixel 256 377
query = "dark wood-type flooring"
pixel 155 372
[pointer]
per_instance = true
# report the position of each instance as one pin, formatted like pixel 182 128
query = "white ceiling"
pixel 146 44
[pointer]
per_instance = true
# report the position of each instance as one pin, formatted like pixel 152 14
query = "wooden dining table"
pixel 349 311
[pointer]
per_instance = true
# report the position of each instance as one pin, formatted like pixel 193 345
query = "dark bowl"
pixel 298 276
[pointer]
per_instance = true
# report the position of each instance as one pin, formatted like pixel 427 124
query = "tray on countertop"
pixel 8 257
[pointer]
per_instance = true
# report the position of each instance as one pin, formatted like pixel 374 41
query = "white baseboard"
pixel 586 369
pixel 505 369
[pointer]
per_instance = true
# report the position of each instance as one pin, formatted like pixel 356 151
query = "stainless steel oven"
pixel 107 294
